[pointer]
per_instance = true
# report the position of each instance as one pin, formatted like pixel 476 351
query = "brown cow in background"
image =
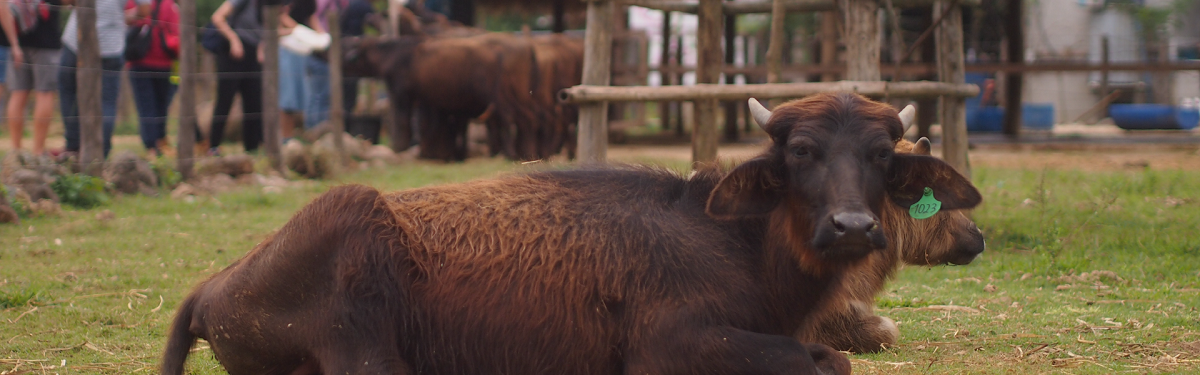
pixel 949 237
pixel 452 80
pixel 595 271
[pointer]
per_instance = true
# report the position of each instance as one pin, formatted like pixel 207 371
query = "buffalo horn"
pixel 907 115
pixel 761 114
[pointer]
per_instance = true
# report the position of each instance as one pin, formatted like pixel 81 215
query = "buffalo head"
pixel 827 172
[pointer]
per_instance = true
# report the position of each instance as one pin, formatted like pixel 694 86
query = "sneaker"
pixel 214 152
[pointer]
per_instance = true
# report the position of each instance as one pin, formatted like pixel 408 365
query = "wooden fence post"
pixel 862 40
pixel 597 70
pixel 708 69
pixel 270 82
pixel 88 86
pixel 731 107
pixel 664 108
pixel 775 46
pixel 949 38
pixel 185 153
pixel 1013 81
pixel 337 115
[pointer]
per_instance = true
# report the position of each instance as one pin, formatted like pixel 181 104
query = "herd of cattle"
pixel 452 74
pixel 769 267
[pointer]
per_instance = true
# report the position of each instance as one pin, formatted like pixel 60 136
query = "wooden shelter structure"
pixel 862 35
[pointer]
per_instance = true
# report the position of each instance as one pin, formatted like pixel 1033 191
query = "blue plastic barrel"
pixel 1153 117
pixel 1035 116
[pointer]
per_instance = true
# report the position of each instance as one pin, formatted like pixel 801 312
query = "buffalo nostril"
pixel 854 223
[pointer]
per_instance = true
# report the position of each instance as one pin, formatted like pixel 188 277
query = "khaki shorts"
pixel 38 73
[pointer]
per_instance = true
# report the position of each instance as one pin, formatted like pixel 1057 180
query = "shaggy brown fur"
pixel 596 271
pixel 949 237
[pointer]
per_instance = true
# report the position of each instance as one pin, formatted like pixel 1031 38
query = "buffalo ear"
pixel 909 175
pixel 751 189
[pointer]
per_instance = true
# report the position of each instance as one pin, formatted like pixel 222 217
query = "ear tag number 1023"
pixel 926 207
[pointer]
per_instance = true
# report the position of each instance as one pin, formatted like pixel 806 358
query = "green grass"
pixel 101 294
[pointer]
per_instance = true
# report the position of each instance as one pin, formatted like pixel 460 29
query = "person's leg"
pixel 45 83
pixel 68 102
pixel 165 92
pixel 16 117
pixel 252 128
pixel 317 87
pixel 227 87
pixel 291 90
pixel 110 89
pixel 145 98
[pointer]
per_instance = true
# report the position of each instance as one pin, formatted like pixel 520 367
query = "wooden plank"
pixel 764 6
pixel 925 69
pixel 708 70
pixel 918 89
pixel 272 138
pixel 597 64
pixel 949 37
pixel 862 40
pixel 185 152
pixel 337 109
pixel 88 82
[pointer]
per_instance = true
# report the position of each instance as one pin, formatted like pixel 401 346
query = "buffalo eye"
pixel 800 152
pixel 885 154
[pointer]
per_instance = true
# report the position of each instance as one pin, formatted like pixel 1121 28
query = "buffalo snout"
pixel 970 244
pixel 849 235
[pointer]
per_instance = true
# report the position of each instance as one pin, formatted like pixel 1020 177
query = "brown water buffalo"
pixel 452 80
pixel 949 237
pixel 560 62
pixel 591 271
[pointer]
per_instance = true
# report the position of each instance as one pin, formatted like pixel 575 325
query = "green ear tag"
pixel 926 207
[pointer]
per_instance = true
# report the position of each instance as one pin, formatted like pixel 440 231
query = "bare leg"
pixel 43 111
pixel 287 124
pixel 16 117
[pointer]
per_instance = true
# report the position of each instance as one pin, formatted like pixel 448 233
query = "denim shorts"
pixel 291 81
pixel 3 63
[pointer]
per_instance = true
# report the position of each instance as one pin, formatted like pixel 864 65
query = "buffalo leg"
pixel 728 350
pixel 401 131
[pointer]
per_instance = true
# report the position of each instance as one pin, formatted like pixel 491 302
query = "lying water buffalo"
pixel 591 271
pixel 948 237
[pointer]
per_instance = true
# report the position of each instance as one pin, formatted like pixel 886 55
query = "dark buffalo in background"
pixel 595 271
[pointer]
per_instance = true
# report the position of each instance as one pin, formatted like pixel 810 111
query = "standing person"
pixel 150 76
pixel 239 70
pixel 111 19
pixel 292 94
pixel 32 65
pixel 316 83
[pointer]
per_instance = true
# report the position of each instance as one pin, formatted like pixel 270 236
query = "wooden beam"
pixel 665 78
pixel 731 133
pixel 775 48
pixel 185 151
pixel 949 37
pixel 708 70
pixel 1013 81
pixel 829 45
pixel 920 89
pixel 862 40
pixel 764 6
pixel 272 138
pixel 337 108
pixel 87 86
pixel 560 18
pixel 597 67
pixel 925 69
